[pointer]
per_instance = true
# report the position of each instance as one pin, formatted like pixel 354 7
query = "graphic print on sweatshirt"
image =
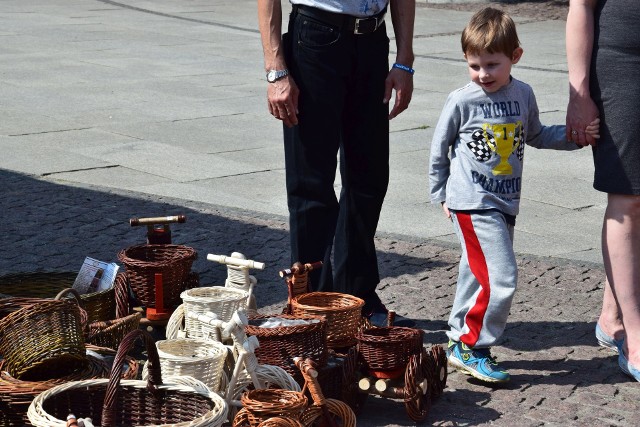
pixel 500 140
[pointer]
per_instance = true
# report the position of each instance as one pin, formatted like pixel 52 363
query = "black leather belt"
pixel 346 22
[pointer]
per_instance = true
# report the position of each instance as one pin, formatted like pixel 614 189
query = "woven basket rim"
pixel 217 347
pixel 233 294
pixel 388 333
pixel 355 301
pixel 124 254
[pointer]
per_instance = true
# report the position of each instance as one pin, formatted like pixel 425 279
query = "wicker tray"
pixel 115 402
pixel 386 351
pixel 198 358
pixel 142 262
pixel 40 336
pixel 279 345
pixel 16 395
pixel 342 311
pixel 100 306
pixel 220 300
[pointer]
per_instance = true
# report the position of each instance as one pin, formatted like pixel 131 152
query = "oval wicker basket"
pixel 142 262
pixel 182 401
pixel 16 395
pixel 260 405
pixel 42 336
pixel 221 301
pixel 279 345
pixel 342 311
pixel 198 358
pixel 386 351
pixel 100 306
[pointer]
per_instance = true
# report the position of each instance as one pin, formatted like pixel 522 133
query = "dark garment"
pixel 341 80
pixel 615 88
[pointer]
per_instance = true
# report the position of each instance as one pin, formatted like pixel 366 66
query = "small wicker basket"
pixel 279 345
pixel 41 336
pixel 260 405
pixel 342 311
pixel 221 301
pixel 386 351
pixel 142 262
pixel 198 358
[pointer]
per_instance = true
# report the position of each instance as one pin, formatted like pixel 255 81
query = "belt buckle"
pixel 356 27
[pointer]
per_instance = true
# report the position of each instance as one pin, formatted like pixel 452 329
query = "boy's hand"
pixel 593 128
pixel 446 210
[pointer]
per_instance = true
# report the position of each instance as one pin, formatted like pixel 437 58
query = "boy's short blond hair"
pixel 490 30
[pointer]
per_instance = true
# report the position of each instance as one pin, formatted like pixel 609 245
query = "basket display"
pixel 42 337
pixel 386 351
pixel 16 395
pixel 260 405
pixel 198 358
pixel 143 262
pixel 342 311
pixel 221 301
pixel 279 345
pixel 115 402
pixel 100 306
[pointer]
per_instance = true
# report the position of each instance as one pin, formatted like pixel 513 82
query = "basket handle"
pixel 65 292
pixel 121 290
pixel 154 379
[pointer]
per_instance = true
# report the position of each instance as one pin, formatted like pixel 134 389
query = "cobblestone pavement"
pixel 560 375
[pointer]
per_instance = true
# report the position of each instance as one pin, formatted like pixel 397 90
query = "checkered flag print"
pixel 479 146
pixel 518 142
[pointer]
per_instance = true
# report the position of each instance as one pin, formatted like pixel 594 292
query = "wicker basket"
pixel 16 395
pixel 279 345
pixel 198 358
pixel 100 306
pixel 42 336
pixel 114 402
pixel 221 301
pixel 260 405
pixel 143 262
pixel 111 332
pixel 386 351
pixel 342 311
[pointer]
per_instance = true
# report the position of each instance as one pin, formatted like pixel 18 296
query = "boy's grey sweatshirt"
pixel 478 146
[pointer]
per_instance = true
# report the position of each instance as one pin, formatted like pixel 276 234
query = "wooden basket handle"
pixel 154 379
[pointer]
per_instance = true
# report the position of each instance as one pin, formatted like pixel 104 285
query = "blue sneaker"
pixel 476 362
pixel 606 341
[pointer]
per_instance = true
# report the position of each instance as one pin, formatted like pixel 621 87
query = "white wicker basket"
pixel 221 301
pixel 198 358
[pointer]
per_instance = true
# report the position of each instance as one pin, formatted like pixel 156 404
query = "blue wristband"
pixel 404 68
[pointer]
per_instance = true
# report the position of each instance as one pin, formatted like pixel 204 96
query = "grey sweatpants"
pixel 487 278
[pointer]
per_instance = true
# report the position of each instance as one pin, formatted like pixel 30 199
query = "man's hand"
pixel 282 97
pixel 402 82
pixel 446 210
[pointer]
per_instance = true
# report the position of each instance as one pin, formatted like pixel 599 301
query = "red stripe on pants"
pixel 478 266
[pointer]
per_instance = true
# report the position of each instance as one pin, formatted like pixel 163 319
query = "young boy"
pixel 476 174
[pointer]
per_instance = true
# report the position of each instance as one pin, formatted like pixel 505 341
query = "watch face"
pixel 271 76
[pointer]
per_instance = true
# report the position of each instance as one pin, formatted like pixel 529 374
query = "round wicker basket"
pixel 342 311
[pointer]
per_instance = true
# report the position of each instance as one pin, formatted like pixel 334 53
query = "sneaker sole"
pixel 608 345
pixel 457 364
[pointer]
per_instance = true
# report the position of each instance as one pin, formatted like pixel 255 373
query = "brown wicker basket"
pixel 260 405
pixel 100 306
pixel 279 345
pixel 42 335
pixel 386 351
pixel 342 311
pixel 116 402
pixel 111 332
pixel 143 262
pixel 16 395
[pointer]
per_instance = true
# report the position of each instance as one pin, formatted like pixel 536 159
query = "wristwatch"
pixel 275 75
